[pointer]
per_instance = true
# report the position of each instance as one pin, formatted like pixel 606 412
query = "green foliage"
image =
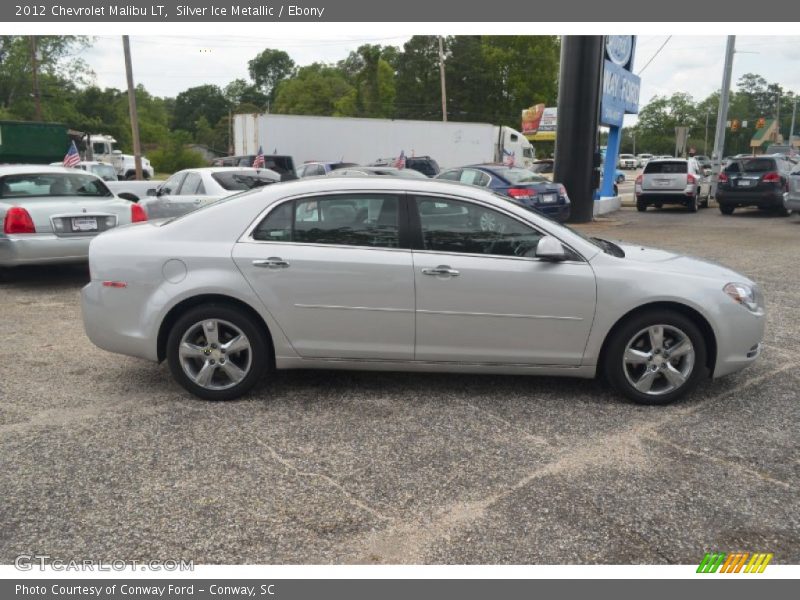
pixel 202 101
pixel 173 155
pixel 754 97
pixel 268 69
pixel 317 89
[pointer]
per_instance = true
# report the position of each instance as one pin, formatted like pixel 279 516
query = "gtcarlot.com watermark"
pixel 45 562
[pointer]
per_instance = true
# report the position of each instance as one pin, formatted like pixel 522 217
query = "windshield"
pixel 543 167
pixel 106 172
pixel 517 175
pixel 41 185
pixel 237 181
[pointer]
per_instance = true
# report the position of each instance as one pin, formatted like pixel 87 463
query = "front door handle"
pixel 441 270
pixel 273 262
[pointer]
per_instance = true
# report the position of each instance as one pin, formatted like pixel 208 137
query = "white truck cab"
pixel 104 150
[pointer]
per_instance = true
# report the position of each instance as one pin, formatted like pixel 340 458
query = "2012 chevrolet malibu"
pixel 417 275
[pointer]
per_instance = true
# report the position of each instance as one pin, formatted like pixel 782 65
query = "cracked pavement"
pixel 103 456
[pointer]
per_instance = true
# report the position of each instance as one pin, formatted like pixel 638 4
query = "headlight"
pixel 744 294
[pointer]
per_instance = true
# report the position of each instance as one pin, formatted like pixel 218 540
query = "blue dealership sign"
pixel 620 94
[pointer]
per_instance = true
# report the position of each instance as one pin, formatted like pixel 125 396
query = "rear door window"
pixel 666 168
pixel 370 220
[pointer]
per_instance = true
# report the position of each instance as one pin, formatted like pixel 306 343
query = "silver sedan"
pixel 50 214
pixel 385 273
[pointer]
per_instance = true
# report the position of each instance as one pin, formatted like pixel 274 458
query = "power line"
pixel 652 58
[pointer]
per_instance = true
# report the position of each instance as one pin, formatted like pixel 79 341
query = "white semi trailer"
pixel 308 138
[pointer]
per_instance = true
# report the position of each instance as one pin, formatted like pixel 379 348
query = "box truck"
pixel 362 141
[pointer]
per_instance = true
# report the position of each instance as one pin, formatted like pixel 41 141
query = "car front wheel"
pixel 217 352
pixel 726 210
pixel 656 357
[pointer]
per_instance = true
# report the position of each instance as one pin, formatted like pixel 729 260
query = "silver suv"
pixel 672 181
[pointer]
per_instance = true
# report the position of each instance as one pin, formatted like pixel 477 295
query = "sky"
pixel 168 65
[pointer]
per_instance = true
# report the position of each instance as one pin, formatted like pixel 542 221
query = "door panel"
pixel 482 296
pixel 339 285
pixel 503 310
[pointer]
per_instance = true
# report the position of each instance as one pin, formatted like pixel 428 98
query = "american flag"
pixel 72 158
pixel 258 162
pixel 508 158
pixel 400 162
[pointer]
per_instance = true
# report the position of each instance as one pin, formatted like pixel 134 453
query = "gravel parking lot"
pixel 103 456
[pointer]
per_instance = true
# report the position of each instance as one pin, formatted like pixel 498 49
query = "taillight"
pixel 137 214
pixel 690 179
pixel 639 180
pixel 562 191
pixel 520 193
pixel 723 178
pixel 772 177
pixel 18 220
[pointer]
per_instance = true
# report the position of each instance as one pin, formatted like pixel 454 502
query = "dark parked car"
pixel 424 164
pixel 281 164
pixel 759 181
pixel 521 185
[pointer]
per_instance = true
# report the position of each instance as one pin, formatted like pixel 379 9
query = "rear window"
pixel 426 166
pixel 666 167
pixel 239 181
pixel 752 165
pixel 30 185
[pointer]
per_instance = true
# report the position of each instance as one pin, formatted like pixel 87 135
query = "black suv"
pixel 281 164
pixel 759 181
pixel 424 164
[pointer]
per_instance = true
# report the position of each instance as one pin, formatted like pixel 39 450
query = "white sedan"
pixel 410 274
pixel 50 214
pixel 191 189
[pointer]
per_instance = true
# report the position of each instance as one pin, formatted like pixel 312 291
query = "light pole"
pixel 137 148
pixel 705 142
pixel 722 115
pixel 794 114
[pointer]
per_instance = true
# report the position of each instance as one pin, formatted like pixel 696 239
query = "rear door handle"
pixel 273 262
pixel 441 270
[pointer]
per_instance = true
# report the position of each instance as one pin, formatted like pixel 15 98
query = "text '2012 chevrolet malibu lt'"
pixel 385 274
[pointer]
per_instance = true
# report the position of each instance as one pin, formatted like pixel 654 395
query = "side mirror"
pixel 549 248
pixel 128 196
pixel 158 192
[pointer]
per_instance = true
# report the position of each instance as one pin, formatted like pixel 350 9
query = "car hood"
pixel 672 262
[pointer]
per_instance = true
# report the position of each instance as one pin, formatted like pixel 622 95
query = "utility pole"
pixel 722 114
pixel 37 96
pixel 778 119
pixel 705 142
pixel 441 76
pixel 633 136
pixel 794 114
pixel 230 132
pixel 137 148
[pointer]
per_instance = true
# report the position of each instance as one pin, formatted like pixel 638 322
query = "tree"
pixel 239 92
pixel 317 89
pixel 268 69
pixel 202 101
pixel 417 82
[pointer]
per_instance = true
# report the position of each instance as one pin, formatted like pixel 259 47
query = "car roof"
pixel 44 169
pixel 660 159
pixel 230 169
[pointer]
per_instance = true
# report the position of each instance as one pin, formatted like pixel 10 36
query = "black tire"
pixel 659 205
pixel 782 212
pixel 260 349
pixel 614 369
pixel 692 205
pixel 726 210
pixel 641 205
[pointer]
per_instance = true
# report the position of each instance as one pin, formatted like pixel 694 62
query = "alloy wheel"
pixel 658 360
pixel 215 354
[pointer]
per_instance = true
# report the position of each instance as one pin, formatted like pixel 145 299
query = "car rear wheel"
pixel 726 210
pixel 692 205
pixel 656 357
pixel 641 205
pixel 217 352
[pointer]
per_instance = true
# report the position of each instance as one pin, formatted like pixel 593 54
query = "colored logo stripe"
pixel 735 562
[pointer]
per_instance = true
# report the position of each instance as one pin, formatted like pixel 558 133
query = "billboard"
pixel 539 123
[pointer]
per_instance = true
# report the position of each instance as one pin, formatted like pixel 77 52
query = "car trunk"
pixel 752 175
pixel 75 215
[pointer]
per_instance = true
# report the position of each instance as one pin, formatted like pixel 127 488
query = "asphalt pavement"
pixel 104 457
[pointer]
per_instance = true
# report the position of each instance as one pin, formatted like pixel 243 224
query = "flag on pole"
pixel 72 158
pixel 508 158
pixel 258 162
pixel 400 163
